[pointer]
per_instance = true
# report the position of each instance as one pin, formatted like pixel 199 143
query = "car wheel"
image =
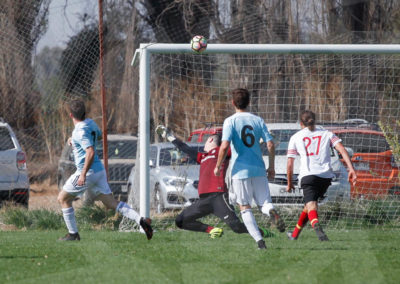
pixel 158 200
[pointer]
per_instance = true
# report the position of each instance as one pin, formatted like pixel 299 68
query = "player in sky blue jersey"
pixel 90 175
pixel 243 132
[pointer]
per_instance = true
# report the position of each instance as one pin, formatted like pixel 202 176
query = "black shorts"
pixel 314 187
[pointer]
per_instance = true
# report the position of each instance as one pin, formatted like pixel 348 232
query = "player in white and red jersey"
pixel 212 189
pixel 313 144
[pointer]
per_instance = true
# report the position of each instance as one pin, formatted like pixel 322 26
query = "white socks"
pixel 251 225
pixel 266 208
pixel 128 212
pixel 69 218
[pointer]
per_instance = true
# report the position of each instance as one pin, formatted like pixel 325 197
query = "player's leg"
pixel 263 200
pixel 300 225
pixel 103 192
pixel 187 219
pixel 65 198
pixel 313 188
pixel 244 194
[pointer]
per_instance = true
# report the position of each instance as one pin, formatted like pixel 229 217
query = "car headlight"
pixel 177 182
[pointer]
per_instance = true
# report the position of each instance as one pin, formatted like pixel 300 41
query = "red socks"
pixel 313 217
pixel 300 224
pixel 209 228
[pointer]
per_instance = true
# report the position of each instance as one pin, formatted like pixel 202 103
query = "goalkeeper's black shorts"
pixel 314 187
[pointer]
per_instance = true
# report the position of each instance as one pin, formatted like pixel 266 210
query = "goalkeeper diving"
pixel 213 193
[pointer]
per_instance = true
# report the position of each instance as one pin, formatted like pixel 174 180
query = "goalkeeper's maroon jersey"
pixel 208 182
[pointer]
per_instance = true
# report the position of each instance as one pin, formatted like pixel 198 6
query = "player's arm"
pixel 290 166
pixel 185 148
pixel 89 157
pixel 271 159
pixel 352 174
pixel 223 151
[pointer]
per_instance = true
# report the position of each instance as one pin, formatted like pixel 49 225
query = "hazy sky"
pixel 64 21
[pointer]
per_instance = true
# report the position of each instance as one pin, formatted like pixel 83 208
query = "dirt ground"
pixel 44 196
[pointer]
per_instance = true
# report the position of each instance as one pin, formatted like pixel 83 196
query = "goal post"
pixel 147 51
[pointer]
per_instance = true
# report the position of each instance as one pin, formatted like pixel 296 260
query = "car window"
pixel 6 142
pixel 195 137
pixel 153 154
pixel 173 157
pixel 119 149
pixel 364 142
pixel 281 141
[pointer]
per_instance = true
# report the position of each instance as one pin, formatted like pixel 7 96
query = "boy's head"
pixel 212 142
pixel 241 98
pixel 77 109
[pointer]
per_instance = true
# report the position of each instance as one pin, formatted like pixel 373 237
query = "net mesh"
pixel 352 95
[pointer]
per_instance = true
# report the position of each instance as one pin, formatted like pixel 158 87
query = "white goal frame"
pixel 146 50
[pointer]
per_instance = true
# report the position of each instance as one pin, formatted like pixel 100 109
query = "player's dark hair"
pixel 217 138
pixel 307 117
pixel 241 98
pixel 77 109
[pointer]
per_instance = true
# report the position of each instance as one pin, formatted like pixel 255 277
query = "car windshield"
pixel 364 142
pixel 281 141
pixel 173 157
pixel 6 142
pixel 119 149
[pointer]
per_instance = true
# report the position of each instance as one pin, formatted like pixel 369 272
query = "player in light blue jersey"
pixel 243 132
pixel 90 175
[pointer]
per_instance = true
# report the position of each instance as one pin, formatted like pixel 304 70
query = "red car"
pixel 200 135
pixel 375 166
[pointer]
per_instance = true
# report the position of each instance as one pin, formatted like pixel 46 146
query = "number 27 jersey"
pixel 245 130
pixel 314 148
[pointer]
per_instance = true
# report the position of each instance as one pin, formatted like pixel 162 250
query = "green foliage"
pixel 97 216
pixel 392 137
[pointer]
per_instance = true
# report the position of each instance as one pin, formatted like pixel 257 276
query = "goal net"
pixel 353 91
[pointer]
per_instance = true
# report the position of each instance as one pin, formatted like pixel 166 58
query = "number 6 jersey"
pixel 314 148
pixel 245 130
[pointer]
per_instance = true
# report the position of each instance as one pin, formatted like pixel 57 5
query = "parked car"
pixel 174 177
pixel 337 191
pixel 374 163
pixel 121 159
pixel 14 181
pixel 201 135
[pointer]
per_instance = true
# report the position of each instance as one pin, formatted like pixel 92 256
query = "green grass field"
pixel 369 256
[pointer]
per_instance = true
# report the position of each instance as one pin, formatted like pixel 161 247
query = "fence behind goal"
pixel 353 89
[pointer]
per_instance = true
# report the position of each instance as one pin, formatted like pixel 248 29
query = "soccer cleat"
pixel 266 233
pixel 165 133
pixel 261 244
pixel 320 233
pixel 70 237
pixel 216 233
pixel 145 223
pixel 277 220
pixel 290 237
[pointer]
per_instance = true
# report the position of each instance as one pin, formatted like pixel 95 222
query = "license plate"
pixel 361 166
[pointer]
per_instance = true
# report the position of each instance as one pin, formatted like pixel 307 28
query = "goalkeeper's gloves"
pixel 165 133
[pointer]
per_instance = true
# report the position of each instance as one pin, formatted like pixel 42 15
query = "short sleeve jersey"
pixel 314 148
pixel 85 135
pixel 245 130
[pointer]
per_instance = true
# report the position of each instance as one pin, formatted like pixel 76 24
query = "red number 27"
pixel 307 141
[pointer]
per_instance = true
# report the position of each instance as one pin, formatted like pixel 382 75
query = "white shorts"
pixel 256 188
pixel 96 183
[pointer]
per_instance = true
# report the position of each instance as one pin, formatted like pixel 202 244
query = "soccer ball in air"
pixel 198 43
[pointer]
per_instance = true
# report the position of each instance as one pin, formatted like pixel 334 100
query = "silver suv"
pixel 121 159
pixel 14 181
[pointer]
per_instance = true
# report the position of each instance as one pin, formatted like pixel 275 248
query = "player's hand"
pixel 217 171
pixel 271 173
pixel 352 177
pixel 290 187
pixel 81 180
